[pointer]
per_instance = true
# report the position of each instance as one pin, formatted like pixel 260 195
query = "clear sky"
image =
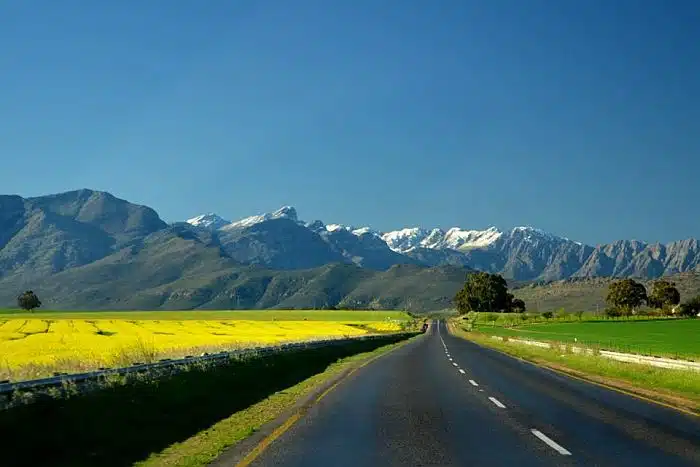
pixel 579 117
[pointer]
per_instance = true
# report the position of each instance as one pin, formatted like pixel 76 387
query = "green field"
pixel 258 315
pixel 666 337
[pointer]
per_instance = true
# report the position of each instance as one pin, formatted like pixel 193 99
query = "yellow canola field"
pixel 72 345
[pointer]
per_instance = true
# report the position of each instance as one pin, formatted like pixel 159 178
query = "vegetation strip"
pixel 677 389
pixel 37 348
pixel 61 381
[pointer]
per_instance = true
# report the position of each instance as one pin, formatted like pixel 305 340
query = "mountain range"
pixel 88 249
pixel 522 253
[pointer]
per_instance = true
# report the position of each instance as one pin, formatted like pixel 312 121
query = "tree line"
pixel 485 292
pixel 626 296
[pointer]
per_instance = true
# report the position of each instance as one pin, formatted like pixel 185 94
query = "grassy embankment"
pixel 34 345
pixel 186 419
pixel 680 388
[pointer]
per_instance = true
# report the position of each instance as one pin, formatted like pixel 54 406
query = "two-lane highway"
pixel 441 400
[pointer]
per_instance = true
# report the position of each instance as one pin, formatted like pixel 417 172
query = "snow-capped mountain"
pixel 405 240
pixel 208 221
pixel 285 212
pixel 279 239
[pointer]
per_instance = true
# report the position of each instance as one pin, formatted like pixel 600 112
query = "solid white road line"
pixel 551 443
pixel 497 402
pixel 473 383
pixel 461 371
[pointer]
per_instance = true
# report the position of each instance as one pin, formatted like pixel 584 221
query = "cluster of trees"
pixel 484 292
pixel 626 296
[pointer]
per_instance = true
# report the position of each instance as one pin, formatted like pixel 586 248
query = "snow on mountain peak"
pixel 209 220
pixel 335 227
pixel 285 212
pixel 364 230
pixel 455 238
pixel 405 239
pixel 459 239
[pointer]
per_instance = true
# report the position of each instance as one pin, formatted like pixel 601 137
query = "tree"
pixel 518 305
pixel 28 301
pixel 626 295
pixel 483 292
pixel 691 307
pixel 663 294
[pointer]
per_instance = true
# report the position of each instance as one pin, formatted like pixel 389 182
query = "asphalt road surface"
pixel 444 401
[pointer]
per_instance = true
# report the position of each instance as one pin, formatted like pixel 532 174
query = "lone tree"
pixel 691 308
pixel 28 301
pixel 663 294
pixel 626 294
pixel 484 292
pixel 518 305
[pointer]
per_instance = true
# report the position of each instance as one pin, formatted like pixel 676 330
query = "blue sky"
pixel 577 117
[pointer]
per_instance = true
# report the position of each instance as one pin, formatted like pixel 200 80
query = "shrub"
pixel 547 314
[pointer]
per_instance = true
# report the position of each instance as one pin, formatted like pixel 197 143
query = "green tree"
pixel 691 307
pixel 28 301
pixel 483 292
pixel 663 294
pixel 518 305
pixel 626 295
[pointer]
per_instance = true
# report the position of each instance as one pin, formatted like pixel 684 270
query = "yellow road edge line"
pixel 280 430
pixel 586 380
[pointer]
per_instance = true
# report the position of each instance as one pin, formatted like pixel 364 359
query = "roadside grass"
pixel 676 338
pixel 131 421
pixel 261 315
pixel 680 388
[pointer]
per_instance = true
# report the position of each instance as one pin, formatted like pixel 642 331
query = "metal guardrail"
pixel 7 387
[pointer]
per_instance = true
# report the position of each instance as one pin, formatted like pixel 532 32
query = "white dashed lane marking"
pixel 461 371
pixel 474 383
pixel 497 402
pixel 550 442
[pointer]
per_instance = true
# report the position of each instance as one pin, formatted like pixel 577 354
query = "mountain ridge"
pixel 88 249
pixel 521 253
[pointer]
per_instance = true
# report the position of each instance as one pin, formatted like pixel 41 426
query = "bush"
pixel 612 312
pixel 547 315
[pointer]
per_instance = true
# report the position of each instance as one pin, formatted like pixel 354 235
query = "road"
pixel 441 400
